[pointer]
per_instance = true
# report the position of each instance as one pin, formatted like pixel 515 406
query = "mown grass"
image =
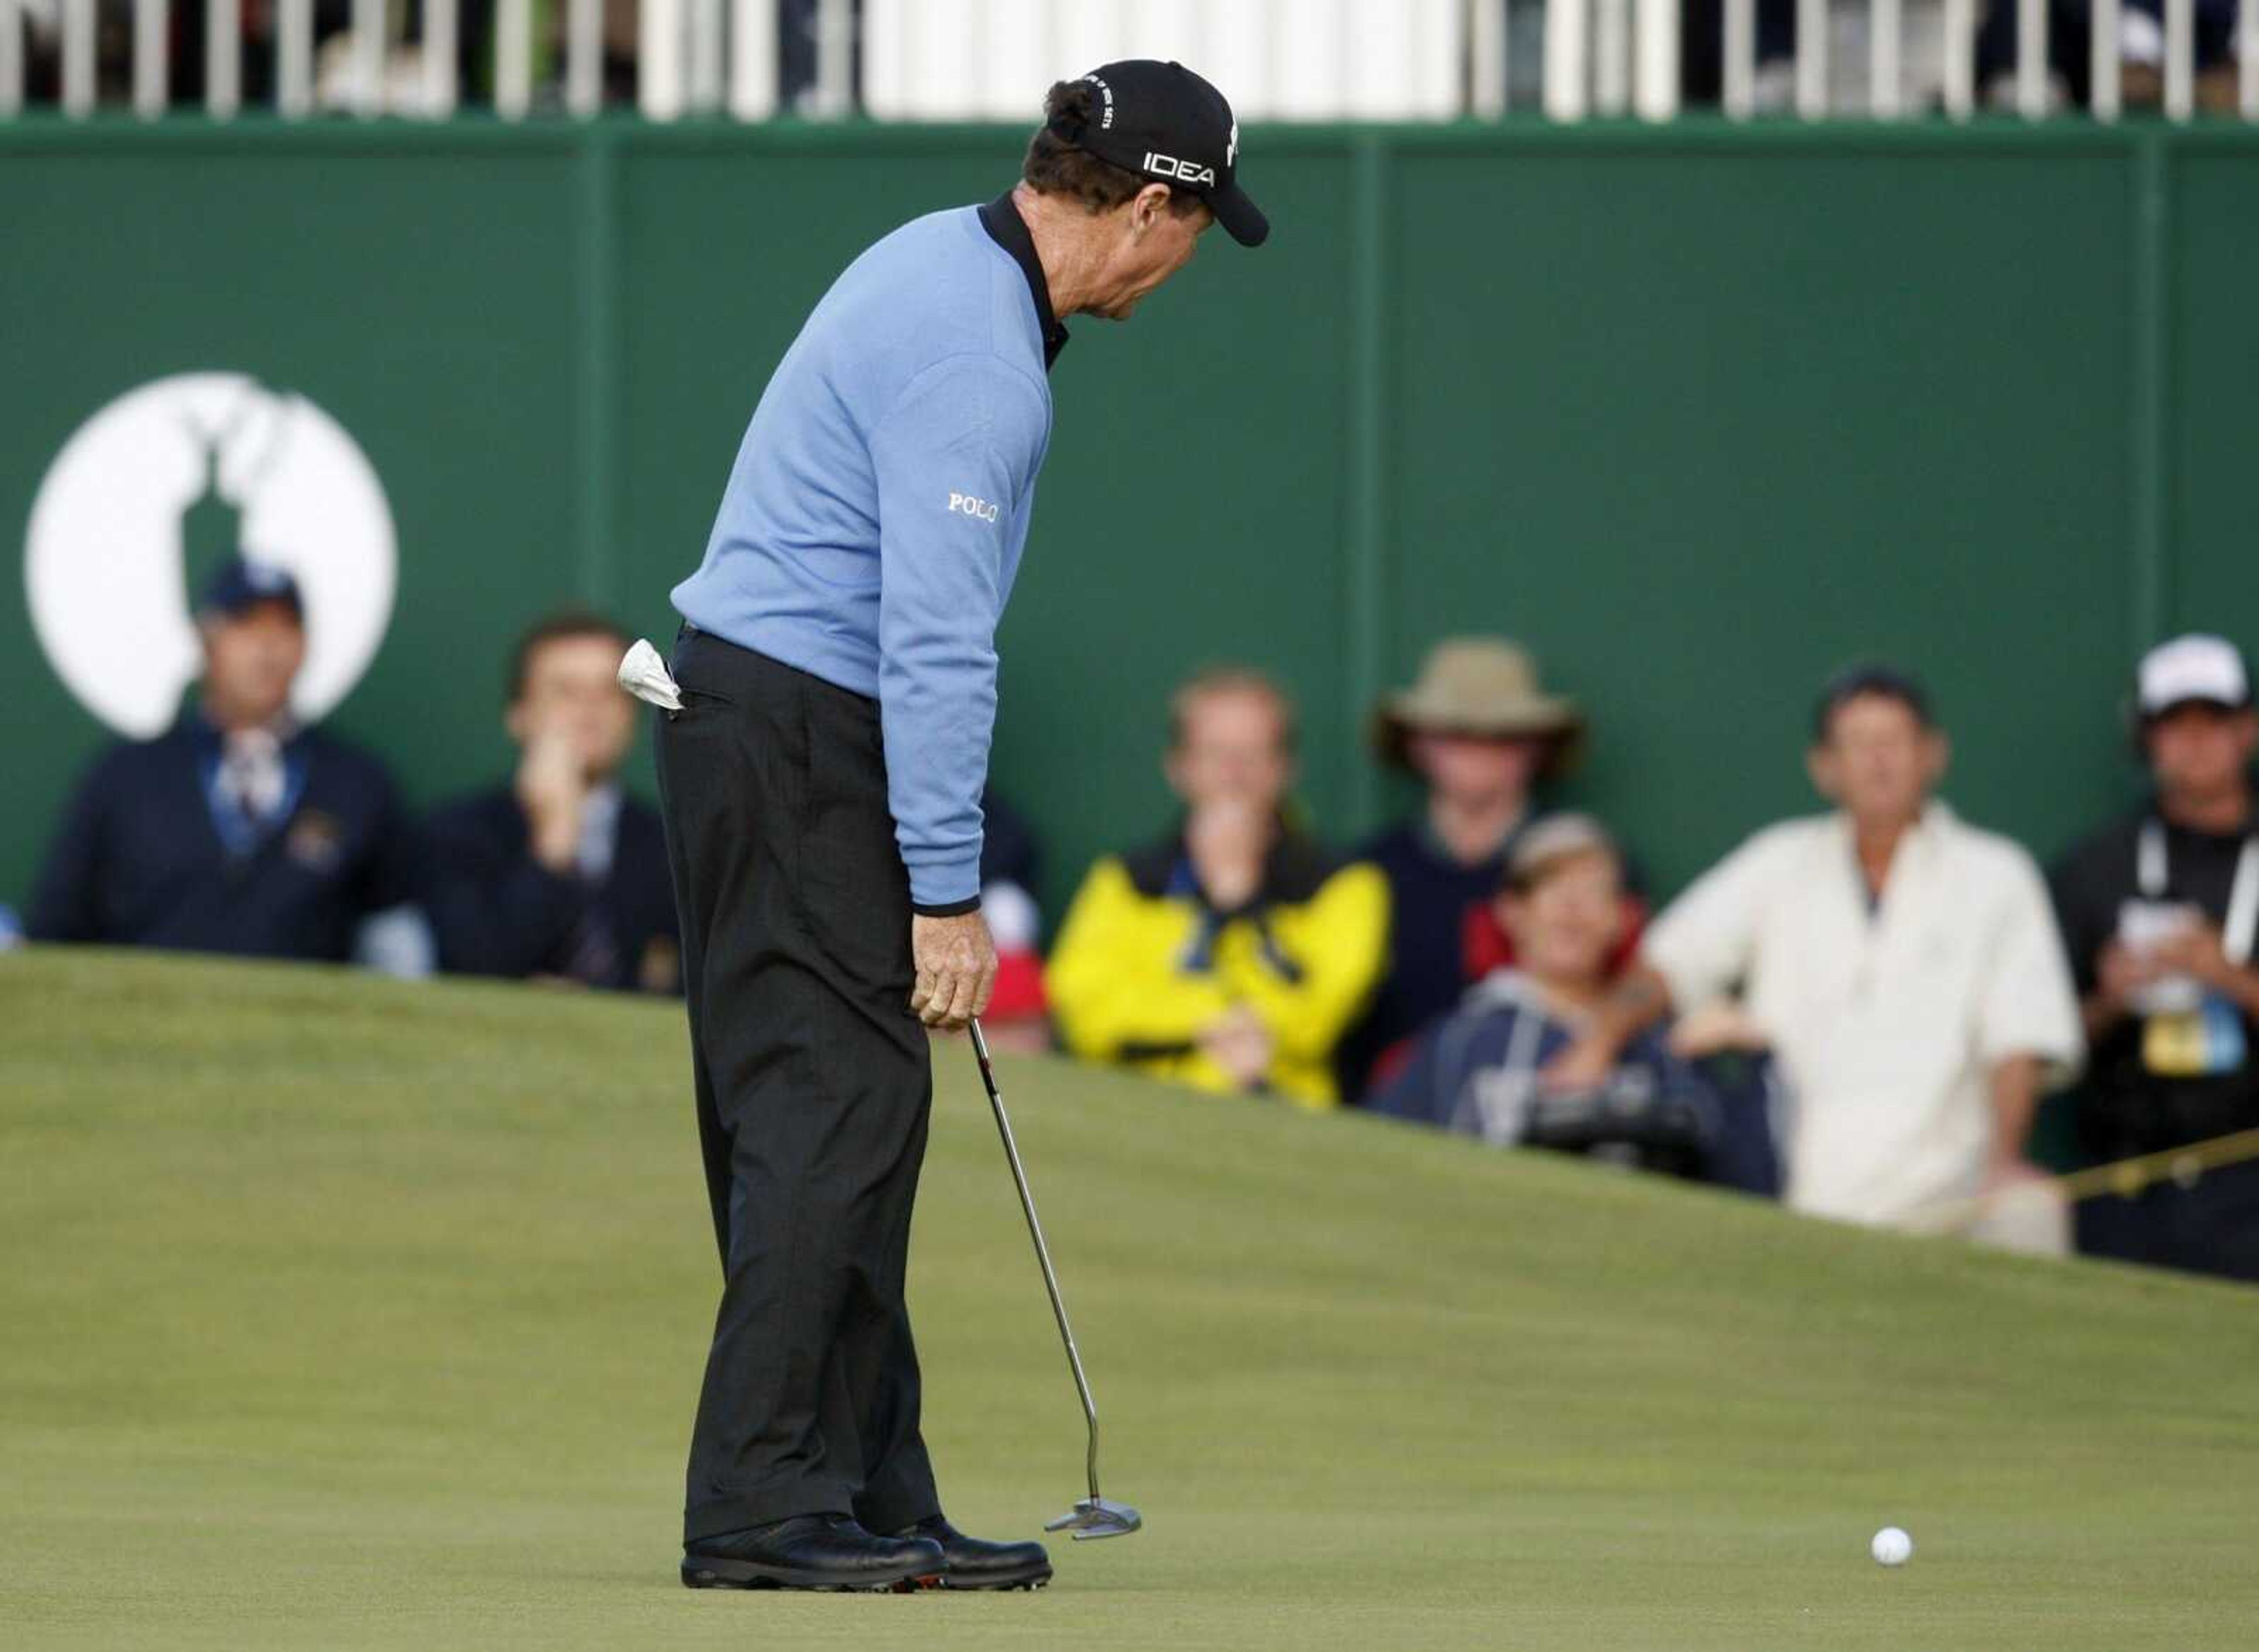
pixel 340 1313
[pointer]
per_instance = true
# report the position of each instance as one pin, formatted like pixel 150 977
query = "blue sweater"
pixel 874 519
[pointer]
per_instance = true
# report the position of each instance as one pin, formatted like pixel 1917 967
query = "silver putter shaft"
pixel 1095 1516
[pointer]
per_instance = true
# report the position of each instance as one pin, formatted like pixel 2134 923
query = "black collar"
pixel 1002 221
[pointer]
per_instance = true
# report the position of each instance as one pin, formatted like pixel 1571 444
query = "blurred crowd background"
pixel 1868 1010
pixel 1885 466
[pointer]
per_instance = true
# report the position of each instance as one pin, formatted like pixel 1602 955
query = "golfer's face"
pixel 1166 246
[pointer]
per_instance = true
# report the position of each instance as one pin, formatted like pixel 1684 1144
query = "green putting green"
pixel 341 1312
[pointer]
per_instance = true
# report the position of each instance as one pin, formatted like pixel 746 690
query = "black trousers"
pixel 2211 1226
pixel 814 1089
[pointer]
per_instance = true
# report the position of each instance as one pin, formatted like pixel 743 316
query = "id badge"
pixel 2201 1043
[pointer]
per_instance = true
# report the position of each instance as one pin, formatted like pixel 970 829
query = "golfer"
pixel 821 786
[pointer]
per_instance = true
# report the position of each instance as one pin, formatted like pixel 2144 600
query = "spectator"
pixel 1011 869
pixel 1475 1072
pixel 2159 912
pixel 1903 966
pixel 1479 733
pixel 240 831
pixel 1230 955
pixel 558 874
pixel 2069 49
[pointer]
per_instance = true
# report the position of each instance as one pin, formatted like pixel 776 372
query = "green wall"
pixel 1700 413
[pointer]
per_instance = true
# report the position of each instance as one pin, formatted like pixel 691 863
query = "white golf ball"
pixel 1892 1547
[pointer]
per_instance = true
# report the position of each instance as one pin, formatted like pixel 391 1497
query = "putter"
pixel 1095 1516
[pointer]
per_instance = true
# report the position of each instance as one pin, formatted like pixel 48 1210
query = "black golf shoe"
pixel 811 1551
pixel 972 1563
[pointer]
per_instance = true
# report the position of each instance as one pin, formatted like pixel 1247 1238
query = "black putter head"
pixel 1097 1517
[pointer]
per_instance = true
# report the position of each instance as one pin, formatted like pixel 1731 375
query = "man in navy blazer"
pixel 560 874
pixel 240 829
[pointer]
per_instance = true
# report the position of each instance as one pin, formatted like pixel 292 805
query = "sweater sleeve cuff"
pixel 944 886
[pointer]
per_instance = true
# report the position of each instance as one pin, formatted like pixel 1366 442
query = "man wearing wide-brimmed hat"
pixel 1480 732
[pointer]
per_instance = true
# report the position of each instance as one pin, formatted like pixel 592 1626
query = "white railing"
pixel 696 57
pixel 1281 60
pixel 978 60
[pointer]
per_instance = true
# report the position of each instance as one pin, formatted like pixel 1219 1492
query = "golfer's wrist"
pixel 944 878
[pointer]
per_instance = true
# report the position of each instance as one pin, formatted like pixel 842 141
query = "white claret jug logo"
pixel 157 490
pixel 1231 146
pixel 1183 171
pixel 972 507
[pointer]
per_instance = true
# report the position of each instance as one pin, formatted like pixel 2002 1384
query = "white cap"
pixel 1554 837
pixel 2193 667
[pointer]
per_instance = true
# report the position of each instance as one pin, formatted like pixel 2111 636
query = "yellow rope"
pixel 2127 1179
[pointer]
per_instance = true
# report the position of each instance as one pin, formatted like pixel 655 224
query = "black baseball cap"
pixel 239 585
pixel 1163 121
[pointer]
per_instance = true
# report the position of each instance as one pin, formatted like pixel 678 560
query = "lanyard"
pixel 2151 870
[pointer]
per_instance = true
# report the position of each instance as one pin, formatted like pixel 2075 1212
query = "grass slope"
pixel 340 1313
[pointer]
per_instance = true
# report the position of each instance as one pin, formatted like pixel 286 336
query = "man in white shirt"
pixel 1903 966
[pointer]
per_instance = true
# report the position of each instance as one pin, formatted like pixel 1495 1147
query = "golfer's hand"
pixel 956 964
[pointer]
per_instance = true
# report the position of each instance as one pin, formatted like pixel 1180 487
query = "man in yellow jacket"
pixel 1232 955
